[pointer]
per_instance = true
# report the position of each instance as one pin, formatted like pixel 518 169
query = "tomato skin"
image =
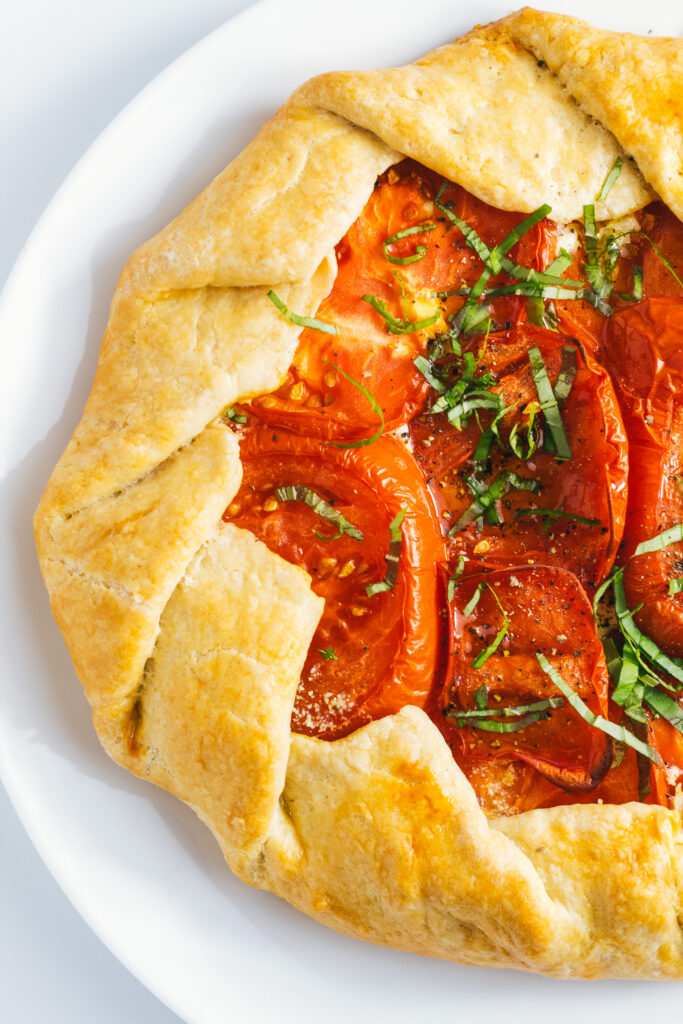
pixel 387 645
pixel 547 611
pixel 314 400
pixel 593 484
pixel 664 779
pixel 665 230
pixel 646 360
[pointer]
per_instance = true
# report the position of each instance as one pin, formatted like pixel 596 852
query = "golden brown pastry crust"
pixel 189 635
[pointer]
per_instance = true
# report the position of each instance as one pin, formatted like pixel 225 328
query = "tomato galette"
pixel 369 545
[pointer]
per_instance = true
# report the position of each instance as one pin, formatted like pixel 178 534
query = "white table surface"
pixel 66 69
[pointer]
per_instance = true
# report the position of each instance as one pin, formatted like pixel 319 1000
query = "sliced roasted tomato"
pixel 655 246
pixel 572 512
pixel 577 317
pixel 405 276
pixel 498 623
pixel 666 779
pixel 370 655
pixel 643 345
pixel 665 230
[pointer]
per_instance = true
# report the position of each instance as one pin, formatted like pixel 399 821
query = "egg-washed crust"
pixel 189 635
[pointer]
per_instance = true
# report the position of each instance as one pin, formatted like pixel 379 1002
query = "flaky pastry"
pixel 189 635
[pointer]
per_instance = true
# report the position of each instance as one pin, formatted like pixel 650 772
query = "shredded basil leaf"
pixel 481 696
pixel 664 706
pixel 427 368
pixel 609 180
pixel 473 601
pixel 299 492
pixel 328 654
pixel 493 260
pixel 601 287
pixel 394 325
pixel 661 541
pixel 486 499
pixel 234 416
pixel 533 439
pixel 392 558
pixel 549 404
pixel 420 250
pixel 483 448
pixel 453 581
pixel 512 711
pixel 491 725
pixel 617 732
pixel 301 321
pixel 555 513
pixel 484 655
pixel 374 404
pixel 637 293
pixel 641 642
pixel 561 263
pixel 567 375
pixel 625 693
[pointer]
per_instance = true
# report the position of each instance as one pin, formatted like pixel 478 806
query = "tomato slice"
pixel 665 779
pixel 591 485
pixel 547 611
pixel 643 344
pixel 370 655
pixel 317 400
pixel 666 231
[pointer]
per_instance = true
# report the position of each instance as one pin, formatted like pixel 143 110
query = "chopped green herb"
pixel 676 586
pixel 637 293
pixel 549 405
pixel 474 600
pixel 538 314
pixel 488 498
pixel 420 250
pixel 613 659
pixel 374 404
pixel 567 375
pixel 626 692
pixel 328 654
pixel 301 321
pixel 561 263
pixel 601 287
pixel 514 711
pixel 392 558
pixel 494 262
pixel 661 541
pixel 427 369
pixel 617 732
pixel 453 581
pixel 484 655
pixel 299 492
pixel 555 513
pixel 481 696
pixel 640 642
pixel 394 325
pixel 664 706
pixel 234 416
pixel 609 180
pixel 539 291
pixel 491 725
pixel 483 448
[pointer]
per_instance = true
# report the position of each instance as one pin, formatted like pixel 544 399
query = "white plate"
pixel 142 871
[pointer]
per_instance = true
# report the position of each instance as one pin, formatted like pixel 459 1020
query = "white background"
pixel 67 67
